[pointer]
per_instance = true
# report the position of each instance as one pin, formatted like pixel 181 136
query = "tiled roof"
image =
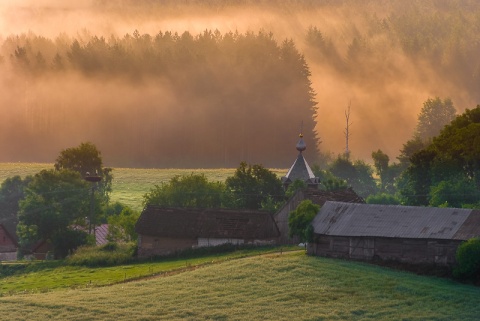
pixel 350 219
pixel 213 223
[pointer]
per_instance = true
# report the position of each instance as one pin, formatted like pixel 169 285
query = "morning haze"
pixel 211 83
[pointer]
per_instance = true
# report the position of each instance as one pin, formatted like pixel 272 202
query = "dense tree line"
pixel 215 99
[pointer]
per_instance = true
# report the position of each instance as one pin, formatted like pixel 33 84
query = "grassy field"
pixel 129 184
pixel 288 286
pixel 46 276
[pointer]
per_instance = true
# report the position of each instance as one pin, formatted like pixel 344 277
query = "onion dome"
pixel 301 146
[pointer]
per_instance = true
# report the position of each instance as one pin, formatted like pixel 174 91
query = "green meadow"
pixel 129 184
pixel 275 286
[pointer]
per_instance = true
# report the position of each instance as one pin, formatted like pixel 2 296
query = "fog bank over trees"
pixel 211 83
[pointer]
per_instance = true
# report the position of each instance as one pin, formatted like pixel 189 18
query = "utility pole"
pixel 347 131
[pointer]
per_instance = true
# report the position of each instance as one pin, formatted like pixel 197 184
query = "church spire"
pixel 300 169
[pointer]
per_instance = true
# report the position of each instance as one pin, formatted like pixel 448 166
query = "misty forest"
pixel 213 83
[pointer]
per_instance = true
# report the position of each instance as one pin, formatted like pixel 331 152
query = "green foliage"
pixel 409 148
pixel 192 190
pixel 66 241
pixel 299 220
pixel 334 184
pixel 109 254
pixel 448 170
pixel 434 115
pixel 454 193
pixel 12 191
pixel 251 185
pixel 383 198
pixel 121 227
pixel 358 175
pixel 468 260
pixel 86 159
pixel 54 200
pixel 298 184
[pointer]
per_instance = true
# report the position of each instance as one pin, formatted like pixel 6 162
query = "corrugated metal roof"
pixel 351 219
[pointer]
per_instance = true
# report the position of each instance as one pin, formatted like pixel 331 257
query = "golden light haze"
pixel 385 100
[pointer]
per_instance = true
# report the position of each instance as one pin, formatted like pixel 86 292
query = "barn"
pixel 163 231
pixel 386 232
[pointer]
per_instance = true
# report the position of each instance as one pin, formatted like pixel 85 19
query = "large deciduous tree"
pixel 251 185
pixel 12 191
pixel 54 202
pixel 447 172
pixel 192 190
pixel 358 175
pixel 86 159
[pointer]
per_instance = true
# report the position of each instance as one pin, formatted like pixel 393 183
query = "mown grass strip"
pixel 290 286
pixel 48 276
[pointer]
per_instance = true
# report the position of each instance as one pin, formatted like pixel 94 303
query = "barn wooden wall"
pixel 441 252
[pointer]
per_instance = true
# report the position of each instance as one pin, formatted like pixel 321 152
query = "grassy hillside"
pixel 290 286
pixel 129 184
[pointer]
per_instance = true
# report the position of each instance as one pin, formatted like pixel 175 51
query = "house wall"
pixel 441 252
pixel 158 246
pixel 281 218
pixel 153 246
pixel 8 248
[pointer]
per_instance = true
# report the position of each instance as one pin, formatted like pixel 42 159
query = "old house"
pixel 163 231
pixel 8 243
pixel 300 170
pixel 386 232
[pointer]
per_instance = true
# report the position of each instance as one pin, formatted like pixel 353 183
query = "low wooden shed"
pixel 387 232
pixel 162 231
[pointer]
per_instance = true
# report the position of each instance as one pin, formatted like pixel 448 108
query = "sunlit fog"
pixel 212 83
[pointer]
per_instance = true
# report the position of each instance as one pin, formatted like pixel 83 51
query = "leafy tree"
pixel 121 227
pixel 468 260
pixel 456 192
pixel 387 173
pixel 300 219
pixel 450 164
pixel 192 190
pixel 409 148
pixel 380 161
pixel 434 115
pixel 54 202
pixel 297 184
pixel 358 175
pixel 251 185
pixel 86 159
pixel 12 191
pixel 383 198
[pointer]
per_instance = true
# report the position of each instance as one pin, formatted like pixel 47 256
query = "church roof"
pixel 300 168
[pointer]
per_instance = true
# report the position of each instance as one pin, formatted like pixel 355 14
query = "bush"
pixel 468 261
pixel 107 255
